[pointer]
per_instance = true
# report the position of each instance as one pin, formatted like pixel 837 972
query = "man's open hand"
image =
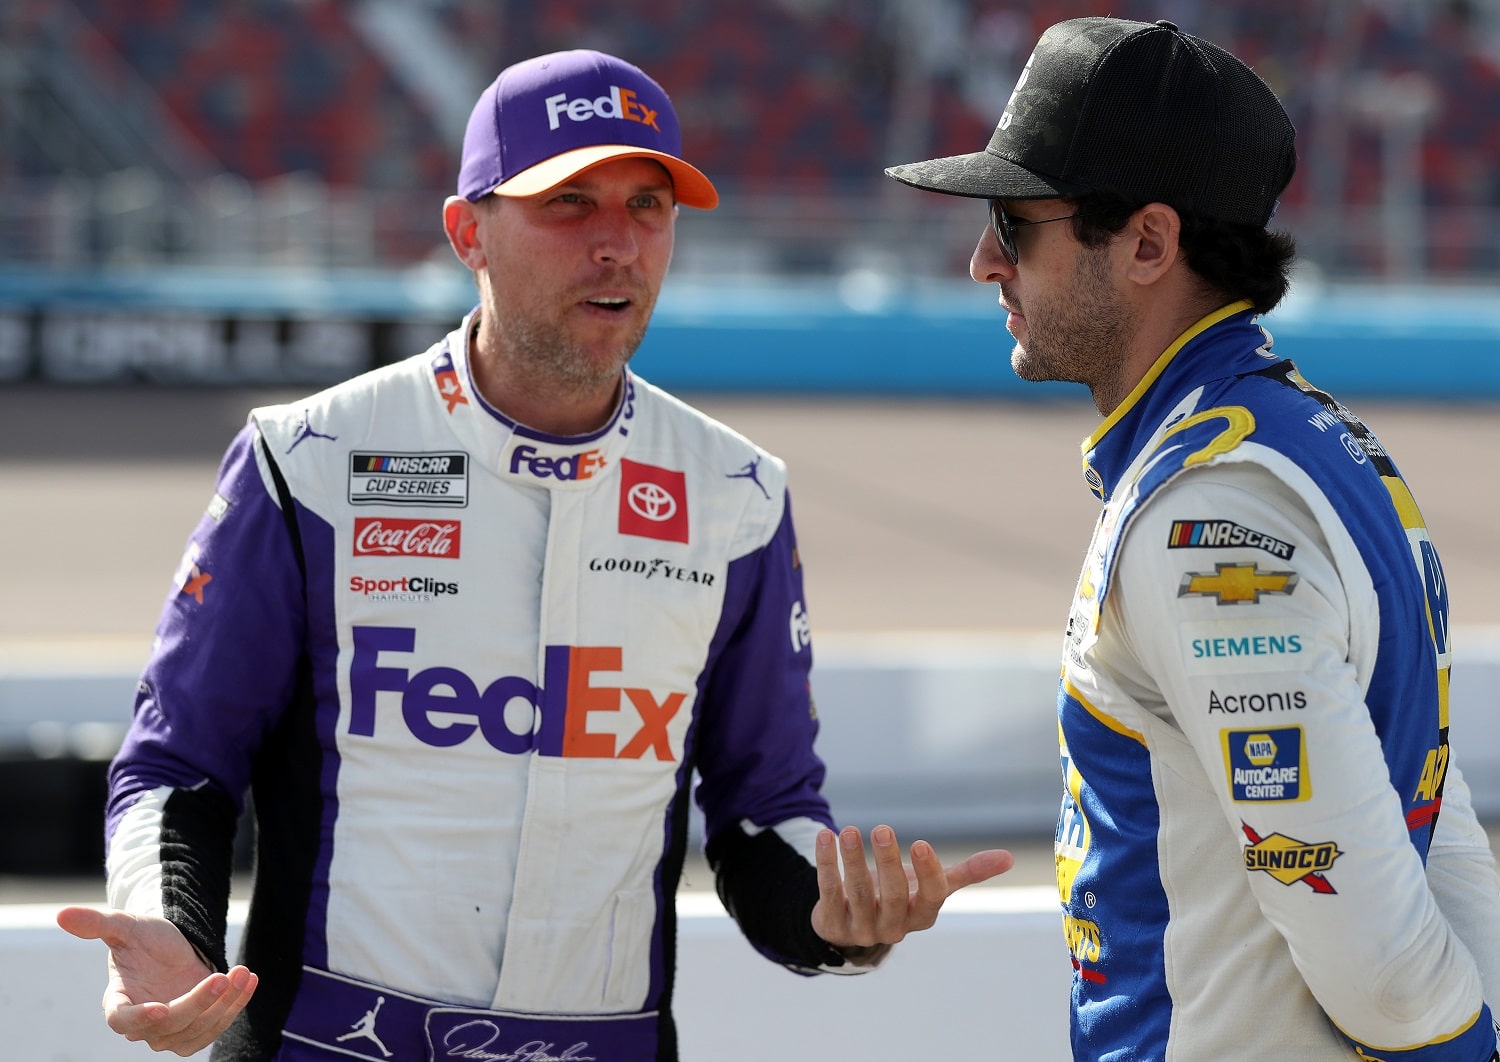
pixel 860 913
pixel 159 989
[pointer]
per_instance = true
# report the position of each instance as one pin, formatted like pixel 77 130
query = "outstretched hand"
pixel 861 914
pixel 159 989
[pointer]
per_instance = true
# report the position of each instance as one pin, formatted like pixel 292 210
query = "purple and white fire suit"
pixel 467 672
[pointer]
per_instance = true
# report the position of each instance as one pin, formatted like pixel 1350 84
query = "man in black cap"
pixel 1265 848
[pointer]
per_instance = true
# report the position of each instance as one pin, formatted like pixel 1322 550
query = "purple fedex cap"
pixel 545 120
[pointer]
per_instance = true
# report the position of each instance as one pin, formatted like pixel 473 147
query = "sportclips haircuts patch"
pixel 653 502
pixel 386 478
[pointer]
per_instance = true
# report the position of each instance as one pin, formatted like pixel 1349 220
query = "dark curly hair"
pixel 1238 261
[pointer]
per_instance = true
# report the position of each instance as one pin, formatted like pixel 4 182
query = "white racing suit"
pixel 468 672
pixel 1266 850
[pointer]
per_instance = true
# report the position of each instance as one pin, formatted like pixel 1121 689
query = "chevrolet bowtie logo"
pixel 1236 584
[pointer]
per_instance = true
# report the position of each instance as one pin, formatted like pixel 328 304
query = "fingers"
pixel 190 1022
pixel 859 887
pixel 212 1007
pixel 830 915
pixel 892 905
pixel 858 909
pixel 134 1021
pixel 933 886
pixel 935 883
pixel 855 907
pixel 830 882
pixel 845 912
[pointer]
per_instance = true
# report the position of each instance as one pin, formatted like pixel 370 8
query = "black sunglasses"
pixel 1005 228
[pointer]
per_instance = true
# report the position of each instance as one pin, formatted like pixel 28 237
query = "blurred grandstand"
pixel 248 191
pixel 323 132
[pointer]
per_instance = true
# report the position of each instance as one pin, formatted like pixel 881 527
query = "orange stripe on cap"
pixel 689 184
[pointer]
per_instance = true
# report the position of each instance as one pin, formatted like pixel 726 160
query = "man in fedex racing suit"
pixel 1265 850
pixel 466 626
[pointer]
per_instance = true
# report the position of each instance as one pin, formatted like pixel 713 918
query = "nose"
pixel 988 265
pixel 614 236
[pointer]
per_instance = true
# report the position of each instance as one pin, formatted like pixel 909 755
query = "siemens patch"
pixel 1206 534
pixel 1237 647
pixel 440 479
pixel 1269 764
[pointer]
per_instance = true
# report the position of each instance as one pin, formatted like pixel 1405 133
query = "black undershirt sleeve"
pixel 771 890
pixel 197 860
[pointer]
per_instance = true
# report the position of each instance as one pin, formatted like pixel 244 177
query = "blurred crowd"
pixel 1394 99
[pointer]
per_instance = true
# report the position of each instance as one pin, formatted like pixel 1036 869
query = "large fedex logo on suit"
pixel 443 706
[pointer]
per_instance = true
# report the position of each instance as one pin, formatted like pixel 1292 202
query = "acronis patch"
pixel 1269 764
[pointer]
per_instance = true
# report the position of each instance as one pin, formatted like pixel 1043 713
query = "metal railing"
pixel 133 218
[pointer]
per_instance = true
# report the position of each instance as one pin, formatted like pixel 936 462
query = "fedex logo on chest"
pixel 572 714
pixel 620 103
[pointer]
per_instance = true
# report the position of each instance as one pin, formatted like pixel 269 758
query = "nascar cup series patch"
pixel 428 479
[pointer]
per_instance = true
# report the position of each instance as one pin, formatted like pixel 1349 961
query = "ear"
pixel 461 223
pixel 1152 235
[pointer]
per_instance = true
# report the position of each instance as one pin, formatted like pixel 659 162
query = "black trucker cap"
pixel 1136 108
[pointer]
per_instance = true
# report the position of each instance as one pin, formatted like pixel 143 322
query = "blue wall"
pixel 865 335
pixel 953 342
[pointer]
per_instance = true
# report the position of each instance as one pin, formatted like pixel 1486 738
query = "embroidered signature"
pixel 473 1039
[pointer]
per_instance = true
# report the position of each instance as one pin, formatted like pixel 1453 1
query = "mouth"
pixel 1015 320
pixel 610 303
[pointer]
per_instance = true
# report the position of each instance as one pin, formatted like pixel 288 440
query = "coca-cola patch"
pixel 428 479
pixel 393 536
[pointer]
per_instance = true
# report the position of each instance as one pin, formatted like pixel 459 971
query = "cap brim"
pixel 689 185
pixel 980 175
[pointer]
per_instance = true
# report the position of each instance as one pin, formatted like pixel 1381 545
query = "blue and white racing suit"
pixel 1266 850
pixel 468 672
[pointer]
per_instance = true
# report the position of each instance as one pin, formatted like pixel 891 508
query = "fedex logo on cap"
pixel 620 103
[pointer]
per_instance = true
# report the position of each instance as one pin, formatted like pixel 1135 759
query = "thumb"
pixel 91 923
pixel 981 866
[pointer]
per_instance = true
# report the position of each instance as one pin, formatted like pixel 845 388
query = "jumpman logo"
pixel 305 431
pixel 751 472
pixel 365 1028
